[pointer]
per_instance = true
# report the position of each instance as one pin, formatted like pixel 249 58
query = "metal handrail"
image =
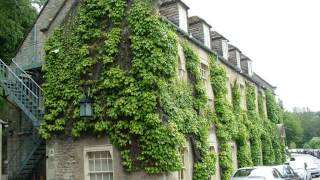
pixel 25 73
pixel 17 78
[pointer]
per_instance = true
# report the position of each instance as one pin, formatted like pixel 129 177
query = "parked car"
pixel 311 162
pixel 287 172
pixel 300 168
pixel 257 173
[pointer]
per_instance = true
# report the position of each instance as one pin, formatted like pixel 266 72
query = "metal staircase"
pixel 27 95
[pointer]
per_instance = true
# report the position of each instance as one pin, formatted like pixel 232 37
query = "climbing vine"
pixel 275 115
pixel 124 57
pixel 272 107
pixel 255 125
pixel 225 124
pixel 206 166
pixel 267 133
pixel 121 55
pixel 244 154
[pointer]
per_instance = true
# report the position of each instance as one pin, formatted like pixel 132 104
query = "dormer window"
pixel 200 30
pixel 238 58
pixel 183 18
pixel 207 39
pixel 250 71
pixel 225 49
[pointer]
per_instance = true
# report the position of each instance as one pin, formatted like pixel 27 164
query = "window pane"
pixel 108 154
pixel 105 176
pixel 99 176
pixel 97 154
pixel 104 165
pixel 104 154
pixel 110 165
pixel 90 155
pixel 91 165
pixel 92 177
pixel 97 165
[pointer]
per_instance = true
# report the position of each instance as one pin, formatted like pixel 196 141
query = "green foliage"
pixel 244 154
pixel 314 143
pixel 138 102
pixel 266 136
pixel 226 125
pixel 255 125
pixel 293 127
pixel 206 167
pixel 124 57
pixel 273 108
pixel 16 17
pixel 310 123
pixel 275 116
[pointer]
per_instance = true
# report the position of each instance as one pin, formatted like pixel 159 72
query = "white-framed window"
pixel 183 19
pixel 98 163
pixel 225 49
pixel 238 59
pixel 182 172
pixel 206 32
pixel 204 71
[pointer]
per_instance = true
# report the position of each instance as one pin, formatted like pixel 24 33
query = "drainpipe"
pixel 2 124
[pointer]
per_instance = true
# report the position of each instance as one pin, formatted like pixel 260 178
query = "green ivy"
pixel 124 57
pixel 267 133
pixel 206 166
pixel 255 125
pixel 275 115
pixel 225 124
pixel 272 107
pixel 243 145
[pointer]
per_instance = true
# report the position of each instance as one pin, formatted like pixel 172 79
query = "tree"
pixel 314 143
pixel 16 16
pixel 293 127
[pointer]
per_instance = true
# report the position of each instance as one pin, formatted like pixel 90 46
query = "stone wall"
pixel 31 52
pixel 66 160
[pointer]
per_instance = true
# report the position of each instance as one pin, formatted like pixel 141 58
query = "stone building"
pixel 66 158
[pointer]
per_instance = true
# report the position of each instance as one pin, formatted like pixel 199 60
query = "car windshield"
pixel 243 172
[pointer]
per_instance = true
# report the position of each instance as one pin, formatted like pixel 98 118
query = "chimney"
pixel 176 11
pixel 220 44
pixel 200 30
pixel 235 56
pixel 246 65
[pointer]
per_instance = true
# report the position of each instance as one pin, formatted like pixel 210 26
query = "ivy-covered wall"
pixel 123 56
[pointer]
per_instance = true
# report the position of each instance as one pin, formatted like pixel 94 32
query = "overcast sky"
pixel 280 36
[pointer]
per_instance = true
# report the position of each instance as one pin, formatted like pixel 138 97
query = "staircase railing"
pixel 28 80
pixel 22 155
pixel 26 93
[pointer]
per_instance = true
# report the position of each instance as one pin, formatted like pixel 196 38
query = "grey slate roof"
pixel 244 57
pixel 168 2
pixel 196 19
pixel 216 35
pixel 262 82
pixel 232 47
